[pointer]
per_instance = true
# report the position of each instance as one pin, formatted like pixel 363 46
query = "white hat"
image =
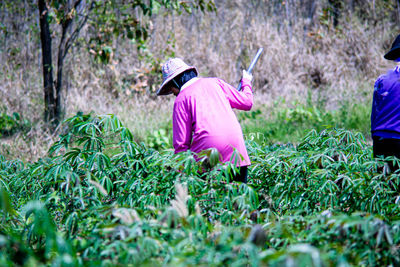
pixel 172 68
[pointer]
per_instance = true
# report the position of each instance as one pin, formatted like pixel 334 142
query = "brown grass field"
pixel 301 57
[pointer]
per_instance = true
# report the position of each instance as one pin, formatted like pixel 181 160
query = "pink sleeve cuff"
pixel 246 83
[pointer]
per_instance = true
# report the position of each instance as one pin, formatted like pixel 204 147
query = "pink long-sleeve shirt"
pixel 203 118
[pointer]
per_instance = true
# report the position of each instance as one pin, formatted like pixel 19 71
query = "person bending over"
pixel 203 117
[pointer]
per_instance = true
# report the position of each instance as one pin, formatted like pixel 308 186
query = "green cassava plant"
pixel 101 198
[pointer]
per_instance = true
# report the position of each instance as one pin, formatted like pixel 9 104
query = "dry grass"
pixel 335 64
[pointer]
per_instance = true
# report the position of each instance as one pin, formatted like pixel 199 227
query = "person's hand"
pixel 247 75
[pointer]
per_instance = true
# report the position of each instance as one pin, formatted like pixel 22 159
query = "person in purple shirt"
pixel 203 117
pixel 385 115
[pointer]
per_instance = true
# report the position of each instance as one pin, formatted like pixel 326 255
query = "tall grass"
pixel 281 122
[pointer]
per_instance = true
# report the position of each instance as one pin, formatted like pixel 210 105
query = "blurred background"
pixel 320 61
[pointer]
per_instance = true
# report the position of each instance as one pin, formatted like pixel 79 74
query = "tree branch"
pixel 75 34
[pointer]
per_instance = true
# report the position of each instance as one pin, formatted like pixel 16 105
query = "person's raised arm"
pixel 181 127
pixel 243 99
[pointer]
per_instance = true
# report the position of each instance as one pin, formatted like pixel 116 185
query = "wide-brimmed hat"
pixel 172 68
pixel 394 52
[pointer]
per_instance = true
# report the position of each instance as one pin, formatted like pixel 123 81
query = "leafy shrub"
pixel 333 169
pixel 9 124
pixel 100 198
pixel 159 140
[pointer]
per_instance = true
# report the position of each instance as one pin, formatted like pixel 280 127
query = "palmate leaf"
pixel 72 224
pixel 56 171
pixel 210 157
pixel 89 195
pixel 110 123
pixel 89 128
pixel 106 183
pixel 56 147
pixel 72 156
pixel 127 137
pixel 40 224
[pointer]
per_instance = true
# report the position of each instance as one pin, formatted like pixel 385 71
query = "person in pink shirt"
pixel 203 117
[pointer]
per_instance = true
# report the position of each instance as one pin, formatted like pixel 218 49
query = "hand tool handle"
pixel 253 63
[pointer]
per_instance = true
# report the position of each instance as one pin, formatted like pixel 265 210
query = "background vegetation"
pixel 320 57
pixel 108 190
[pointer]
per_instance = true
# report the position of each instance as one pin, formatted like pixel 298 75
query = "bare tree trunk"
pixel 52 90
pixel 45 37
pixel 59 83
pixel 62 52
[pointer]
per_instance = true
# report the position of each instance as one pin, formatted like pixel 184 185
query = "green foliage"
pixel 129 19
pixel 332 170
pixel 9 124
pixel 290 124
pixel 100 198
pixel 159 140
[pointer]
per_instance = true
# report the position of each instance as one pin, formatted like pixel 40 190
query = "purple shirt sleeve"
pixel 242 100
